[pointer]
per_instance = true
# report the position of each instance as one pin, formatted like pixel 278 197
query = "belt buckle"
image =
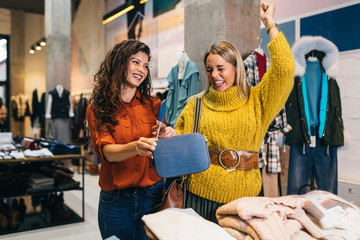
pixel 237 159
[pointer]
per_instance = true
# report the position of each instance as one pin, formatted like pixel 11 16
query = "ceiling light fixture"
pixel 143 1
pixel 43 42
pixel 117 12
pixel 38 47
pixel 32 50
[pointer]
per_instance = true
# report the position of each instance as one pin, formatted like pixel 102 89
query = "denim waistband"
pixel 133 189
pixel 314 130
pixel 138 189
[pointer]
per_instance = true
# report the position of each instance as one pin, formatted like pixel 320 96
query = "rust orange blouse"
pixel 135 171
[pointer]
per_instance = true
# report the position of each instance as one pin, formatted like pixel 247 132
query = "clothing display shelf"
pixel 58 213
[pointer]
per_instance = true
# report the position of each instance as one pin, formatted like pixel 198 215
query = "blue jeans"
pixel 320 161
pixel 121 210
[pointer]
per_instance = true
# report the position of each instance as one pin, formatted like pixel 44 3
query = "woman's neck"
pixel 128 94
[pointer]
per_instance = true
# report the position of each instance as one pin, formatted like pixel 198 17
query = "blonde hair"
pixel 231 55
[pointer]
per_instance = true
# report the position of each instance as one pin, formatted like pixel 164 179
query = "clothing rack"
pixel 77 96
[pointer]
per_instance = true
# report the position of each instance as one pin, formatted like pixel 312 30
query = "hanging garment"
pixel 331 124
pixel 42 111
pixel 35 108
pixel 179 92
pixel 255 67
pixel 80 116
pixel 20 107
pixel 316 131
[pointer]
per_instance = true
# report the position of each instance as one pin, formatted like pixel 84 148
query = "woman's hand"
pixel 120 152
pixel 167 132
pixel 145 146
pixel 267 12
pixel 164 132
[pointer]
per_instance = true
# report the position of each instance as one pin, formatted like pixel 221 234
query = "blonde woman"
pixel 234 119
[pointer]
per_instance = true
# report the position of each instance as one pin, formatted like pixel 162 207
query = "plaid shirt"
pixel 269 156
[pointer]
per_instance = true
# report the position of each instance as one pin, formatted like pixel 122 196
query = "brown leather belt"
pixel 231 159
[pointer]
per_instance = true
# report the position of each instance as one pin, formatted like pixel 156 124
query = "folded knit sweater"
pixel 228 121
pixel 267 218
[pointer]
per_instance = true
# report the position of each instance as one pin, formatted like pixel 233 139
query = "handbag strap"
pixel 197 114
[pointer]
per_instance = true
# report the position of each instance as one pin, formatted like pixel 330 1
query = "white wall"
pixel 349 83
pixel 348 80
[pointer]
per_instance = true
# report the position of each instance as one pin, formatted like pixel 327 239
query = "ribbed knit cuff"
pixel 279 45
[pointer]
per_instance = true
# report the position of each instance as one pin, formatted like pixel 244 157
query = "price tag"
pixel 313 141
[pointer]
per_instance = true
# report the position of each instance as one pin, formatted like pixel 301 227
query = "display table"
pixel 53 211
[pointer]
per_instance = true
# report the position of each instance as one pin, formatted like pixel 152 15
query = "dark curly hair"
pixel 111 78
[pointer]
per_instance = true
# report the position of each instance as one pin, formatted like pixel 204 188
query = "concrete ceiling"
pixel 32 6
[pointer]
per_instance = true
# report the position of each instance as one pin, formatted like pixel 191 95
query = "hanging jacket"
pixel 330 129
pixel 35 108
pixel 179 92
pixel 271 157
pixel 20 107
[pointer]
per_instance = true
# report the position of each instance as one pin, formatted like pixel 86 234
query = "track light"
pixel 32 50
pixel 117 12
pixel 43 42
pixel 38 47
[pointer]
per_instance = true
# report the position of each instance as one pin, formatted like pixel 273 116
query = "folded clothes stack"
pixel 317 214
pixel 38 180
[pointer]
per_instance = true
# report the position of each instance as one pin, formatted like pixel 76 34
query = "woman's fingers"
pixel 145 146
pixel 267 11
pixel 167 132
pixel 156 128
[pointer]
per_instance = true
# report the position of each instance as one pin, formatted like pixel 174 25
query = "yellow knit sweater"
pixel 228 121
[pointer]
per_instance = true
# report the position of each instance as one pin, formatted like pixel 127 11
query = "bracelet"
pixel 271 26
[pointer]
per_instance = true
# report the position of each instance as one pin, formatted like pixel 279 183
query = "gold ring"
pixel 237 159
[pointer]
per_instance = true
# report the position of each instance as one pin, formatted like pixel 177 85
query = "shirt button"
pixel 136 128
pixel 135 183
pixel 137 169
pixel 133 117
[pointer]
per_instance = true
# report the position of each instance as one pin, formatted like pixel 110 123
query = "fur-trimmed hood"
pixel 308 43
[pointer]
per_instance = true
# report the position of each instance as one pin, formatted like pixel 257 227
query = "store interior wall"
pixel 87 47
pixel 160 32
pixel 289 18
pixel 92 46
pixel 164 34
pixel 35 64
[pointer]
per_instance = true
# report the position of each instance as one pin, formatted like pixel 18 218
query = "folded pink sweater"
pixel 269 218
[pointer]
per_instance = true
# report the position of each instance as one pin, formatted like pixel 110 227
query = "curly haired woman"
pixel 120 116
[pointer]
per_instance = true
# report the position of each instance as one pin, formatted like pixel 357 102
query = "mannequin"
pixel 59 109
pixel 312 107
pixel 182 62
pixel 59 91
